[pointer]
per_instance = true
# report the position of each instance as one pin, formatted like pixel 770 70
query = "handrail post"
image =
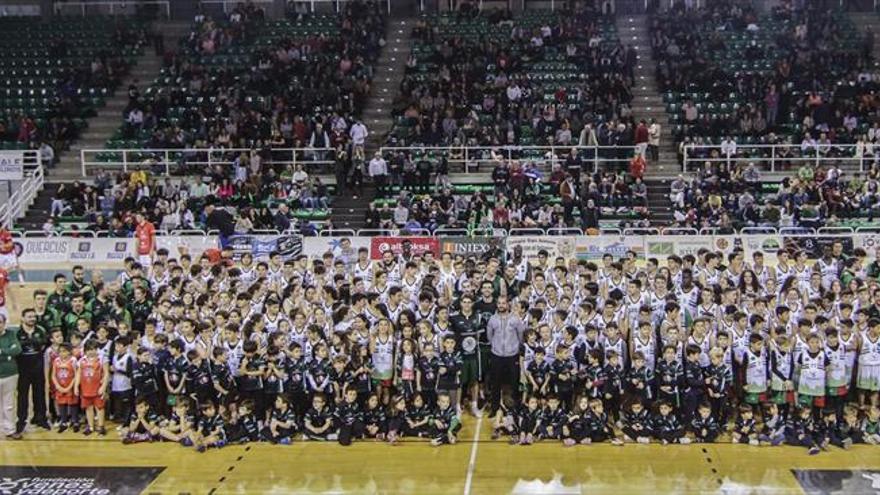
pixel 595 158
pixel 82 161
pixel 773 158
pixel 466 161
pixel 167 163
pixel 684 158
pixel 125 161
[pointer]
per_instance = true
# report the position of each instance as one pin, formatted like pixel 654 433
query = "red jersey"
pixel 64 371
pixel 146 236
pixel 4 281
pixel 91 375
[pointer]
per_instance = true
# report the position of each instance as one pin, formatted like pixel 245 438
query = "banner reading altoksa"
pixel 61 252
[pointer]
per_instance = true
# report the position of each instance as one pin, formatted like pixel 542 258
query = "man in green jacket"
pixel 10 348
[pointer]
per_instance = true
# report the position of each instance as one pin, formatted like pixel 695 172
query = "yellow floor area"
pixel 415 467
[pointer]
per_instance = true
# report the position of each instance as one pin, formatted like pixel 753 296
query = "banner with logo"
pixel 344 248
pixel 477 246
pixel 11 165
pixel 260 246
pixel 815 245
pixel 595 247
pixel 53 480
pixel 664 246
pixel 36 252
pixel 192 245
pixel 397 245
pixel 554 245
pixel 768 245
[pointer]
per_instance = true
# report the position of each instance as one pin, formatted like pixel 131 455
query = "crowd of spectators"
pixel 267 202
pixel 795 75
pixel 246 82
pixel 521 196
pixel 490 78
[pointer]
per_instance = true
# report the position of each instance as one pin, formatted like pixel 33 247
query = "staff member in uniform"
pixel 505 332
pixel 31 378
pixel 9 351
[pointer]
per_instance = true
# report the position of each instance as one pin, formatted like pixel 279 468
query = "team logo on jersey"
pixel 39 480
pixel 829 481
pixel 468 344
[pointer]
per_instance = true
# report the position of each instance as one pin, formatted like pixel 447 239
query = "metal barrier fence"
pixel 469 158
pixel 110 7
pixel 164 161
pixel 22 191
pixel 780 157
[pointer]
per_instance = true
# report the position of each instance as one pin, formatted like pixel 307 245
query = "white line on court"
pixel 472 464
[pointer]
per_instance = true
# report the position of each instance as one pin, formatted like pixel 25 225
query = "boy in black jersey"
pixel 349 418
pixel 143 379
pixel 181 423
pixel 175 372
pixel 143 425
pixel 449 372
pixel 666 427
pixel 198 379
pixel 282 423
pixel 211 431
pixel 801 430
pixel 552 419
pixel 639 379
pixel 418 414
pixel 273 380
pixel 375 420
pixel 562 374
pixel 338 378
pixel 445 423
pixel 528 422
pixel 593 375
pixel 295 369
pixel 246 427
pixel 669 374
pixel 693 389
pixel 598 425
pixel 251 370
pixel 161 358
pixel 426 374
pixel 222 380
pixel 704 426
pixel 612 389
pixel 318 420
pixel 746 429
pixel 637 424
pixel 538 374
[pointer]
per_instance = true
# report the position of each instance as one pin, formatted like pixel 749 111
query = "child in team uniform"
pixel 746 428
pixel 639 379
pixel 668 376
pixel 448 374
pixel 426 373
pixel 527 421
pixel 375 419
pixel 64 370
pixel 599 426
pixel 552 419
pixel 282 423
pixel 830 432
pixel 180 425
pixel 704 426
pixel 665 425
pixel 801 430
pixel 870 426
pixel 143 379
pixel 837 381
pixel 868 381
pixel 637 423
pixel 812 364
pixel 143 426
pixel 245 426
pixel 445 423
pixel 318 420
pixel 612 390
pixel 92 376
pixel 756 377
pixel 719 379
pixel 773 426
pixel 782 375
pixel 211 431
pixel 417 417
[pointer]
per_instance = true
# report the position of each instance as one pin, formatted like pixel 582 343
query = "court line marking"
pixel 472 464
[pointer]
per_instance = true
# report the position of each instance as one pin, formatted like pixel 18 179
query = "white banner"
pixel 11 165
pixel 664 246
pixel 36 252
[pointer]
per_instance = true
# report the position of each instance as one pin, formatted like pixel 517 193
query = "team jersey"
pixel 91 376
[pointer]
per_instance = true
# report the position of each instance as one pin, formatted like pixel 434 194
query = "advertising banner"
pixel 260 246
pixel 418 245
pixel 38 252
pixel 478 246
pixel 344 248
pixel 11 165
pixel 554 245
pixel 595 247
pixel 663 246
pixel 815 245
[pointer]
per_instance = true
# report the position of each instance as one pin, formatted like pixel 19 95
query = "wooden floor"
pixel 482 467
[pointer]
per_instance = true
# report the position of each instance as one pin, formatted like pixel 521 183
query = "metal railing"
pixel 226 4
pixel 111 7
pixel 469 158
pixel 23 196
pixel 779 157
pixel 166 160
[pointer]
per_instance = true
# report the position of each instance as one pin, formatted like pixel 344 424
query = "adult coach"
pixel 144 240
pixel 10 348
pixel 505 332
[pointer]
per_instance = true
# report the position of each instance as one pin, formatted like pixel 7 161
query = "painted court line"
pixel 472 464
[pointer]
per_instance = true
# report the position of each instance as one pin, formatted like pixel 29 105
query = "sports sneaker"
pixel 644 440
pixel 814 450
pixel 87 431
pixel 284 441
pixel 477 413
pixel 201 449
pixel 617 442
pixel 777 440
pixel 847 443
pixel 754 442
pixel 436 442
pixel 127 440
pixel 568 442
pixel 586 441
pixel 684 440
pixel 102 431
pixel 62 427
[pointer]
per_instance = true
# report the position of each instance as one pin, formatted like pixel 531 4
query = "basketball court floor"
pixel 47 462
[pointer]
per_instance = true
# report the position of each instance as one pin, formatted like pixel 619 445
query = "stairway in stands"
pixel 348 211
pixel 101 127
pixel 865 20
pixel 647 99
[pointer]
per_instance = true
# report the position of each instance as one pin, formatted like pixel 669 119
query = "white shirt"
pixel 358 134
pixel 378 166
